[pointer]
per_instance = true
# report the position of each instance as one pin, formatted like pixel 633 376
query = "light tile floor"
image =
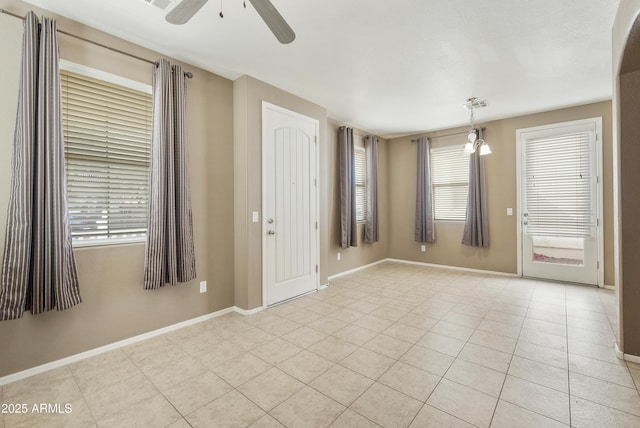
pixel 395 345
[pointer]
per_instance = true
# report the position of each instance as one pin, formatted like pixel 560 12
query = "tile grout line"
pixel 536 383
pixel 587 375
pixel 308 384
pixel 376 380
pixel 566 317
pixel 184 417
pixel 524 318
pixel 396 360
pixel 448 368
pixel 75 379
pixel 338 364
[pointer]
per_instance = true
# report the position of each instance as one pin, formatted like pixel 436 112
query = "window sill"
pixel 107 243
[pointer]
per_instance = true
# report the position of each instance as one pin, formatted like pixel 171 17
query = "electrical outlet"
pixel 203 286
pixel 338 256
pixel 509 211
pixel 423 248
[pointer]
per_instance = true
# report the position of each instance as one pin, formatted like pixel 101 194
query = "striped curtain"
pixel 424 229
pixel 38 267
pixel 371 224
pixel 348 221
pixel 476 224
pixel 169 256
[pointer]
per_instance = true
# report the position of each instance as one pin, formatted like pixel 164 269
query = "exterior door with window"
pixel 290 208
pixel 559 201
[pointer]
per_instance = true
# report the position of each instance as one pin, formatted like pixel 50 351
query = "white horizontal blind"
pixel 450 183
pixel 361 183
pixel 107 130
pixel 560 182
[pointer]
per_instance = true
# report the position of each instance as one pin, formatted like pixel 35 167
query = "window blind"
pixel 361 183
pixel 560 183
pixel 450 183
pixel 107 131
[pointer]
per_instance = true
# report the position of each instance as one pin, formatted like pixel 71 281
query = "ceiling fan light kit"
pixel 181 11
pixel 473 142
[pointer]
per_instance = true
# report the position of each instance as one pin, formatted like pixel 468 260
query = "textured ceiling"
pixel 390 67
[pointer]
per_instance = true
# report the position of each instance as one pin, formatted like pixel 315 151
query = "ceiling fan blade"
pixel 184 11
pixel 274 21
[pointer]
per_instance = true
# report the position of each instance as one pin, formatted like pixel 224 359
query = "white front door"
pixel 559 201
pixel 290 204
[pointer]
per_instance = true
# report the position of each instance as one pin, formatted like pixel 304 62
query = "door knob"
pixel 270 221
pixel 525 223
pixel 271 232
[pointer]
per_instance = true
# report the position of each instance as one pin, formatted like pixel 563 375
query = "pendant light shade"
pixel 468 148
pixel 484 148
pixel 471 136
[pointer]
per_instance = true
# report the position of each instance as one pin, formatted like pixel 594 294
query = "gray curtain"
pixel 348 223
pixel 371 229
pixel 170 256
pixel 476 225
pixel 38 268
pixel 424 231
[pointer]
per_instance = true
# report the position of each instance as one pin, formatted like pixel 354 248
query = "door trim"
pixel 599 228
pixel 263 228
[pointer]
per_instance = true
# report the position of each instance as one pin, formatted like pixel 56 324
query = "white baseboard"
pixel 110 347
pixel 491 272
pixel 347 272
pixel 324 286
pixel 248 312
pixel 627 357
pixel 609 287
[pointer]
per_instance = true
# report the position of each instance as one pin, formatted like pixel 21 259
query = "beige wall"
pixel 114 305
pixel 626 83
pixel 363 254
pixel 501 256
pixel 248 96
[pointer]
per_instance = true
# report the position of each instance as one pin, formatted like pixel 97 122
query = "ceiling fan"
pixel 185 9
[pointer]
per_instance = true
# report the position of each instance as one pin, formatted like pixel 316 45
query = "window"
pixel 361 183
pixel 107 133
pixel 450 183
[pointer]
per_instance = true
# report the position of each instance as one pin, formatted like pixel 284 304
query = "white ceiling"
pixel 390 67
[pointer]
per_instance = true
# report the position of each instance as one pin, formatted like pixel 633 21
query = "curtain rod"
pixel 449 135
pixel 357 134
pixel 15 15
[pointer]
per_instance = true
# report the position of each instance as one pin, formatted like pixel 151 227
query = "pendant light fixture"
pixel 473 142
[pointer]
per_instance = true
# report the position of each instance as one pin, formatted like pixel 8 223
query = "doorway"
pixel 559 200
pixel 289 204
